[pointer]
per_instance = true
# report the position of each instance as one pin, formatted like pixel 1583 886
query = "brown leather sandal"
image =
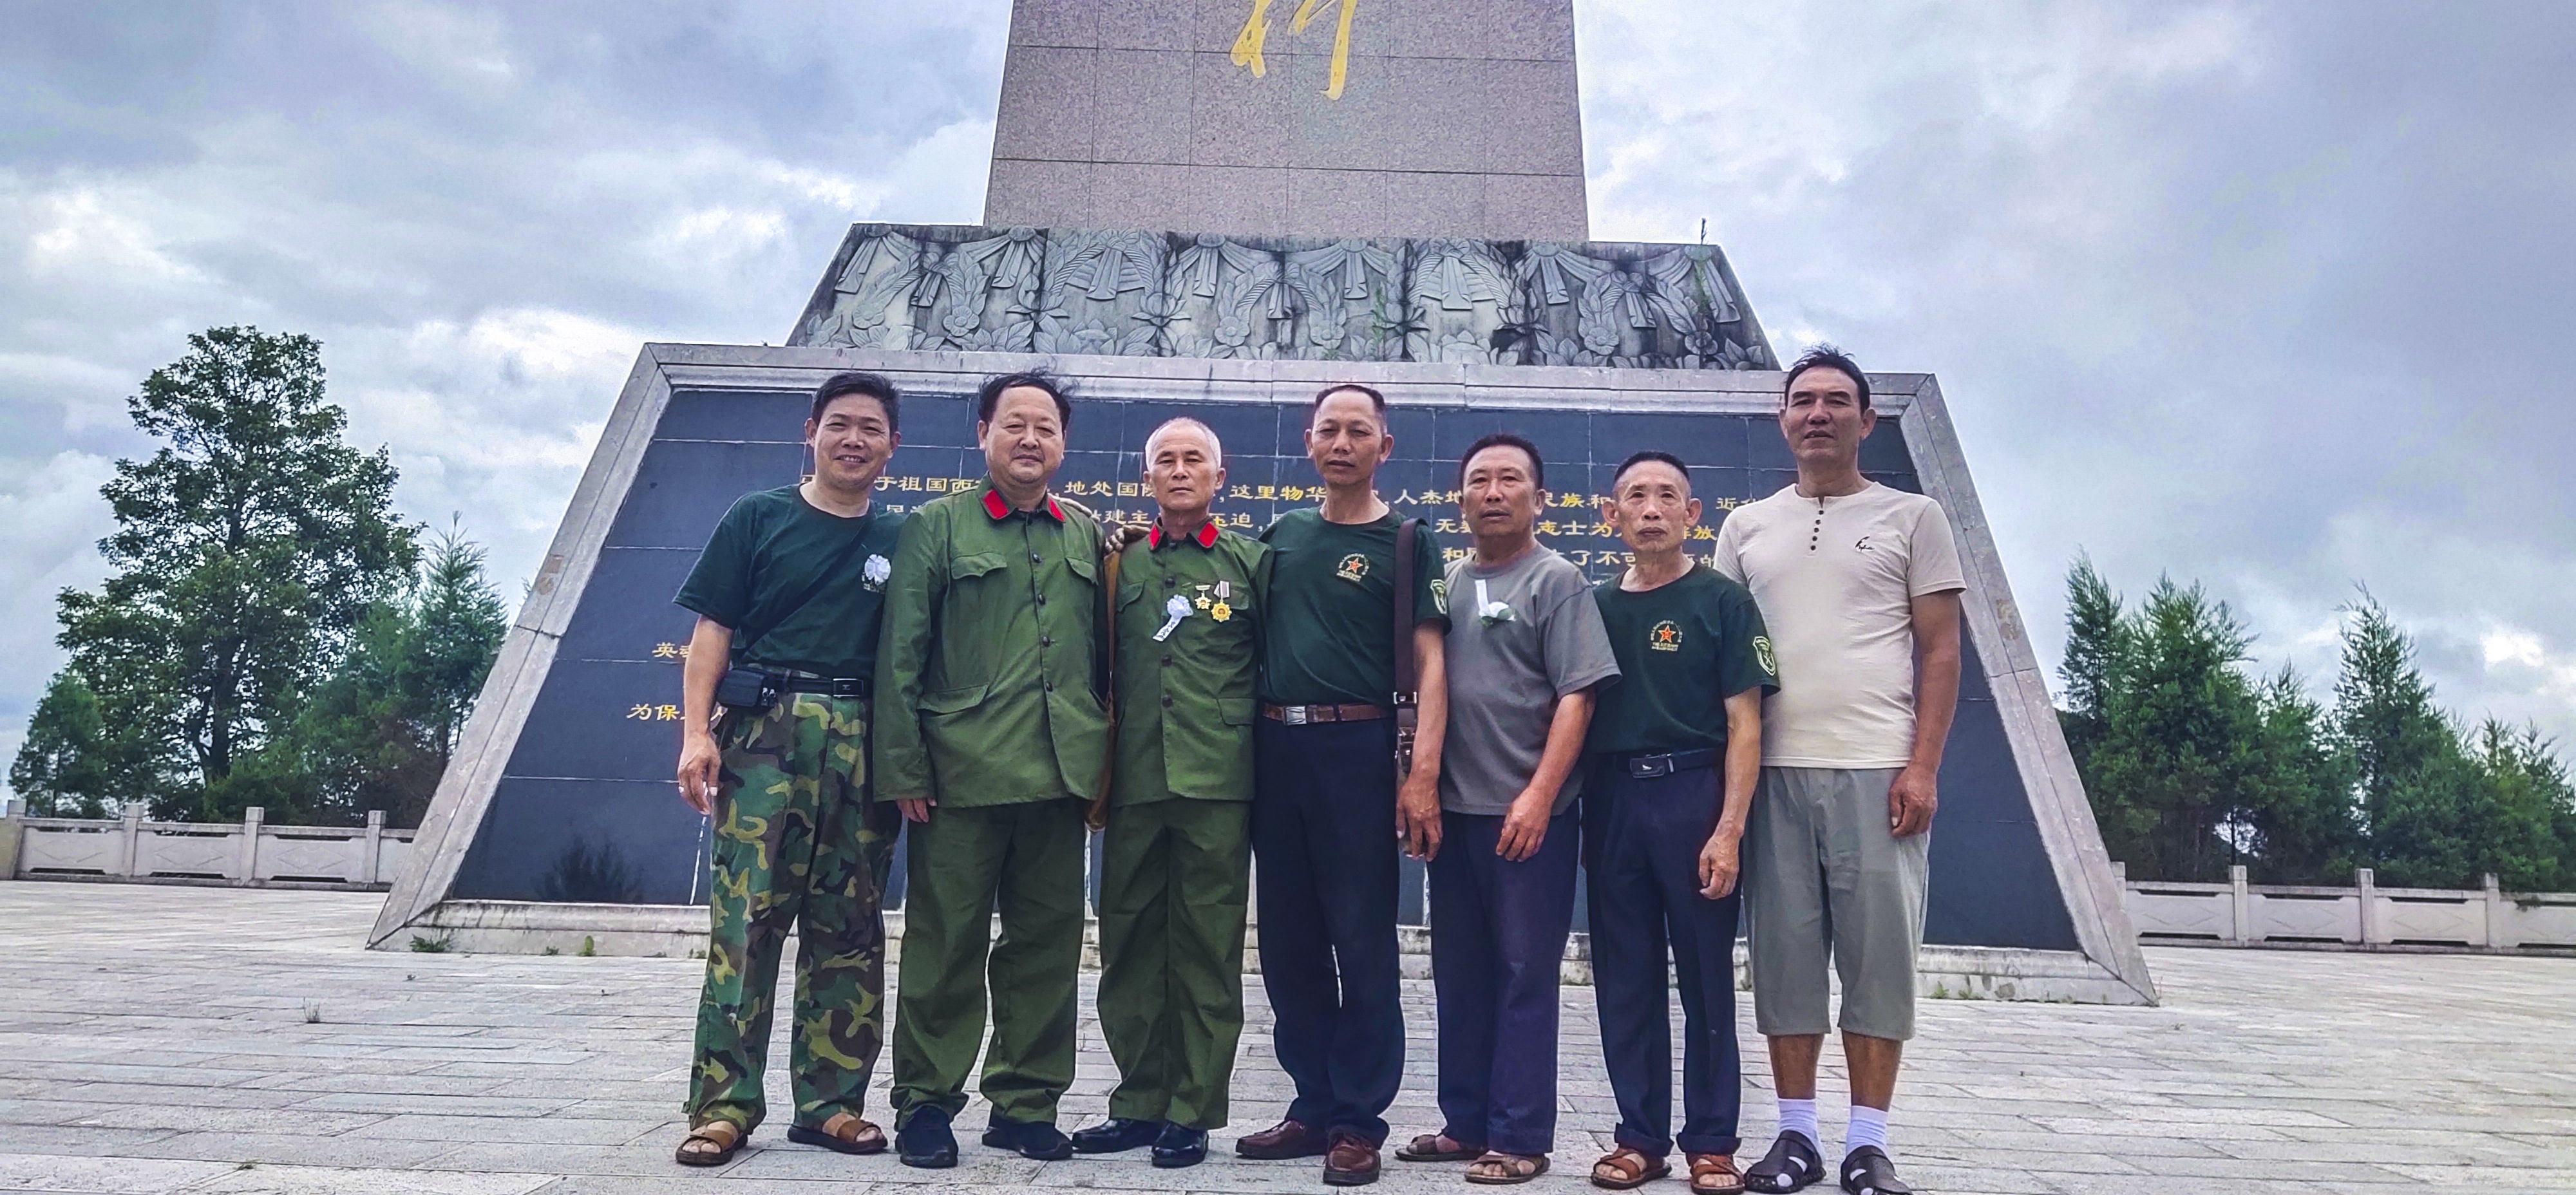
pixel 723 1137
pixel 1715 1174
pixel 843 1133
pixel 1626 1169
pixel 1498 1169
pixel 1432 1147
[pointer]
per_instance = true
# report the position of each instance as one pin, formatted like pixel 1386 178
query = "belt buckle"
pixel 1293 715
pixel 849 686
pixel 1647 767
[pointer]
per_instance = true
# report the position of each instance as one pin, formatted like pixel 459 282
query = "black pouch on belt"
pixel 747 689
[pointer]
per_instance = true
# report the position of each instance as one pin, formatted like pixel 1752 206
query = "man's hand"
pixel 1718 866
pixel 1121 536
pixel 701 762
pixel 917 809
pixel 1911 800
pixel 1417 813
pixel 1525 827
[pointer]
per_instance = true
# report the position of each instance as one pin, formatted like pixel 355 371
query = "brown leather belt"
pixel 1300 715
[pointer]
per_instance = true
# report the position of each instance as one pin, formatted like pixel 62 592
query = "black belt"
pixel 1645 765
pixel 837 686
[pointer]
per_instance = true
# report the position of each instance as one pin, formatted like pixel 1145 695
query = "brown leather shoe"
pixel 1286 1139
pixel 1351 1162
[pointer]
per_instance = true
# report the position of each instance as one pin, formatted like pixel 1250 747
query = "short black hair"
pixel 1376 399
pixel 1638 458
pixel 1826 356
pixel 1538 467
pixel 989 395
pixel 855 382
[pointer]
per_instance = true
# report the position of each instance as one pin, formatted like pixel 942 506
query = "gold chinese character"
pixel 909 483
pixel 1547 527
pixel 667 713
pixel 640 713
pixel 936 485
pixel 1256 32
pixel 1129 489
pixel 666 651
pixel 1241 492
pixel 1265 493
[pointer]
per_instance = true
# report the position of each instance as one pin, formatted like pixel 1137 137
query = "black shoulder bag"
pixel 756 690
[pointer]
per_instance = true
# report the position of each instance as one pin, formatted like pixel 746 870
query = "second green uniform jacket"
pixel 1185 699
pixel 986 672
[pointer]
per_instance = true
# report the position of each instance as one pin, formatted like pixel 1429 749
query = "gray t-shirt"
pixel 1520 637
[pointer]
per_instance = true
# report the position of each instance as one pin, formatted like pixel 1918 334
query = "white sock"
pixel 1799 1116
pixel 1868 1127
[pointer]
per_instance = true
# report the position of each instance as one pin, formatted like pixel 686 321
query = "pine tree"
pixel 248 548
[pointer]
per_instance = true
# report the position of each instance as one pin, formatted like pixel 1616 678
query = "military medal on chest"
pixel 1221 611
pixel 1203 597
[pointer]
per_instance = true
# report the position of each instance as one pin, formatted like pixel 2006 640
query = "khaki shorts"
pixel 1822 875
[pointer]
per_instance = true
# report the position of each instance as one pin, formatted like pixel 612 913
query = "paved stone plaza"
pixel 165 1039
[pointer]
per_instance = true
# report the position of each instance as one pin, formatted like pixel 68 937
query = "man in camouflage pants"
pixel 782 773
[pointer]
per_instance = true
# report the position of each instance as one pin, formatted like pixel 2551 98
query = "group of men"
pixel 1001 672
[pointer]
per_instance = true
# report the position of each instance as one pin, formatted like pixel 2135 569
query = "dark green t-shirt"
pixel 1330 638
pixel 764 555
pixel 1683 649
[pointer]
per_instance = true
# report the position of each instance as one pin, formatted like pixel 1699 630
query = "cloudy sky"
pixel 2272 296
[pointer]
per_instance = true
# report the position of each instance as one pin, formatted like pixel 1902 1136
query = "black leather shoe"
pixel 1120 1134
pixel 925 1140
pixel 1032 1140
pixel 1180 1146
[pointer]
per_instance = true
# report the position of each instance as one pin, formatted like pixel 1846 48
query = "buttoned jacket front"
pixel 1185 701
pixel 989 668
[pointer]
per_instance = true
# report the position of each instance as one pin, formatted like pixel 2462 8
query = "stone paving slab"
pixel 165 1039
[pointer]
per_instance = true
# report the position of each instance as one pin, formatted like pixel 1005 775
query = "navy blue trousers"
pixel 1497 941
pixel 1641 844
pixel 1323 833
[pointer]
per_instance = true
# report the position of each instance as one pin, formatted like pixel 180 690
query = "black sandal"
pixel 1792 1165
pixel 1867 1171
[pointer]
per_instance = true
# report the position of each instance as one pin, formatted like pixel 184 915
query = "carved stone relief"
pixel 1442 299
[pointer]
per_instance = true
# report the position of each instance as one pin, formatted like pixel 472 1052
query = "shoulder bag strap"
pixel 830 569
pixel 1407 676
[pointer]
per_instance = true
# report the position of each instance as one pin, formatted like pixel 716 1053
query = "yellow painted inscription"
pixel 1249 44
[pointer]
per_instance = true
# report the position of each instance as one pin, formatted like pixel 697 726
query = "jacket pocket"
pixel 1237 711
pixel 975 564
pixel 949 701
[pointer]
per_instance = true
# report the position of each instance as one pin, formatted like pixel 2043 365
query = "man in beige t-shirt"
pixel 1860 586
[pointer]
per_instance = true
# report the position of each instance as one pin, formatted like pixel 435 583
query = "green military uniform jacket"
pixel 989 672
pixel 1185 703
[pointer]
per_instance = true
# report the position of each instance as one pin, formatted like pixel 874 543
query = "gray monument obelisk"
pixel 1341 118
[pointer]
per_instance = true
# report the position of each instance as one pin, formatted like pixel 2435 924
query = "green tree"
pixel 248 549
pixel 68 765
pixel 2409 772
pixel 379 731
pixel 2179 726
pixel 2298 806
pixel 2093 652
pixel 2519 814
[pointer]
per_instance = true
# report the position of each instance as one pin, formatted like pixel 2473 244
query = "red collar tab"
pixel 1000 510
pixel 1206 536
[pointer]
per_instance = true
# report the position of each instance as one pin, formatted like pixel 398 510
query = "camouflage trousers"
pixel 796 841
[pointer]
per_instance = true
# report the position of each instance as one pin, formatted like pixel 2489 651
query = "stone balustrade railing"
pixel 250 853
pixel 2362 917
